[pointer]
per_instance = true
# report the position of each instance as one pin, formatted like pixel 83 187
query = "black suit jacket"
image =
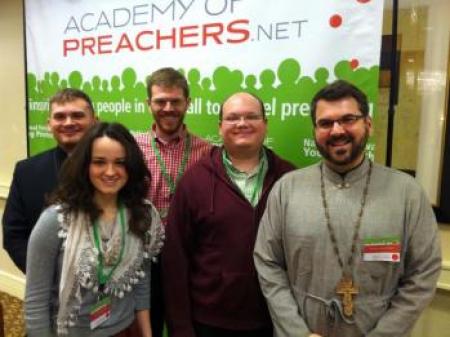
pixel 33 179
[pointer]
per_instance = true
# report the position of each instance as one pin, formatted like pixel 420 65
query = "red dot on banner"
pixel 336 21
pixel 363 1
pixel 354 63
pixel 394 257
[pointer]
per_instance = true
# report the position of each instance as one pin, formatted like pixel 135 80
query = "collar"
pixel 59 150
pixel 346 180
pixel 60 156
pixel 229 165
pixel 175 138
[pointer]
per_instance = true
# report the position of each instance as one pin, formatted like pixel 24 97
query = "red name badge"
pixel 382 250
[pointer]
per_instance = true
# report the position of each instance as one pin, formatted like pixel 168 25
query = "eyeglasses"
pixel 236 119
pixel 345 121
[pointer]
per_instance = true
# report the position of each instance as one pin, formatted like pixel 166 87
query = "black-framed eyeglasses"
pixel 344 121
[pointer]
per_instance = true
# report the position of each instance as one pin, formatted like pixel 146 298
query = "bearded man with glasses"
pixel 346 247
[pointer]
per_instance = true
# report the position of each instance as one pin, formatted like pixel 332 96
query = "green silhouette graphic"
pixel 285 91
pixel 75 79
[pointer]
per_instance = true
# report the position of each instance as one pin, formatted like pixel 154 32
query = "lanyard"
pixel 186 152
pixel 259 183
pixel 253 199
pixel 103 277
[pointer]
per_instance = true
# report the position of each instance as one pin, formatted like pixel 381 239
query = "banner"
pixel 282 51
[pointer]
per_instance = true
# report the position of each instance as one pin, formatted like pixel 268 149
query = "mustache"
pixel 339 138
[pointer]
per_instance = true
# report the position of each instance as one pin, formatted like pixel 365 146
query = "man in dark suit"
pixel 71 114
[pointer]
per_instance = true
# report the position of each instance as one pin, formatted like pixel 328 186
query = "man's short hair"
pixel 69 95
pixel 261 104
pixel 167 78
pixel 336 91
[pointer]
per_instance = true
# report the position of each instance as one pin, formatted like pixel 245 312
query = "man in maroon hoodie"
pixel 211 287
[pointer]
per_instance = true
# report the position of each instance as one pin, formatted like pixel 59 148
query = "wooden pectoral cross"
pixel 347 289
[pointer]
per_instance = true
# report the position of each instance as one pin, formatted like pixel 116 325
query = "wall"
pixel 12 86
pixel 12 133
pixel 411 43
pixel 435 84
pixel 433 322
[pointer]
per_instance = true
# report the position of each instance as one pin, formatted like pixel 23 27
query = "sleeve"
pixel 43 255
pixel 16 229
pixel 176 265
pixel 157 233
pixel 271 267
pixel 152 246
pixel 141 291
pixel 422 266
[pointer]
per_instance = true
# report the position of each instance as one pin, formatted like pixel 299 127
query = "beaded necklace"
pixel 345 286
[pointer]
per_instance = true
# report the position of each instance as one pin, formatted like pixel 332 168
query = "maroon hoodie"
pixel 208 271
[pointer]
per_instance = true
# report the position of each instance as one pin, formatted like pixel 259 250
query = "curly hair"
pixel 75 191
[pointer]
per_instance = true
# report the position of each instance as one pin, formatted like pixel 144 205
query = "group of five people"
pixel 217 241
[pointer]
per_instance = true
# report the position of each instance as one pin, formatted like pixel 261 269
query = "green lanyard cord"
pixel 102 277
pixel 259 179
pixel 186 152
pixel 258 185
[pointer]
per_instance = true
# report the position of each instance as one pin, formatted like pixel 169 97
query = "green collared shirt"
pixel 250 184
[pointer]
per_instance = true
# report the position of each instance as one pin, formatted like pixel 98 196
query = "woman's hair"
pixel 75 191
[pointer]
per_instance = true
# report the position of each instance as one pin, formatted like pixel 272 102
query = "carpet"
pixel 12 315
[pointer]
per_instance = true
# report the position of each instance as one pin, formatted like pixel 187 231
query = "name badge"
pixel 100 312
pixel 382 249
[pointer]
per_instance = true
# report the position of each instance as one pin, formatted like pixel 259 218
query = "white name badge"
pixel 100 312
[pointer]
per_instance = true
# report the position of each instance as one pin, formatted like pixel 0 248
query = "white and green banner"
pixel 282 51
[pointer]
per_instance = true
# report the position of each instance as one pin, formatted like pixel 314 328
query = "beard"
pixel 343 157
pixel 169 123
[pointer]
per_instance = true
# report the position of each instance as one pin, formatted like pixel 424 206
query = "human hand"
pixel 314 335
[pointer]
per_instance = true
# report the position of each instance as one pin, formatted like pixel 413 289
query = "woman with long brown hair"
pixel 88 255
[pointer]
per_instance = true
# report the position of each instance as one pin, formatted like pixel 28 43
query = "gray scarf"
pixel 79 266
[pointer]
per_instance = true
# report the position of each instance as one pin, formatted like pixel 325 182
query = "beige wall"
pixel 12 132
pixel 12 88
pixel 434 322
